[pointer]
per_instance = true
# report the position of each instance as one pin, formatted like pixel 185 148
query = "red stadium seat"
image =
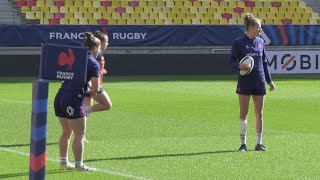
pixel 54 21
pixel 31 3
pixel 59 3
pixel 21 3
pixel 102 21
pixel 134 3
pixel 226 16
pixel 238 10
pixel 250 4
pixel 120 10
pixel 276 4
pixel 59 15
pixel 106 3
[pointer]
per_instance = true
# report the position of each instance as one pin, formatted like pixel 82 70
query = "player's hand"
pixel 272 86
pixel 245 67
pixel 104 71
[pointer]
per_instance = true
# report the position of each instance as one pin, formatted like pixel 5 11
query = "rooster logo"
pixel 64 59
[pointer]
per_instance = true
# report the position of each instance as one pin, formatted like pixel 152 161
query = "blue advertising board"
pixel 156 35
pixel 63 63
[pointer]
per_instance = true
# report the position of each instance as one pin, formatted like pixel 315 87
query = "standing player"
pixel 252 84
pixel 104 101
pixel 70 110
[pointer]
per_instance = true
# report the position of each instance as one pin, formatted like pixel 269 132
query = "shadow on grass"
pixel 163 155
pixel 13 175
pixel 22 145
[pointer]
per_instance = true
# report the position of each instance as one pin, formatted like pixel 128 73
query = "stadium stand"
pixel 149 12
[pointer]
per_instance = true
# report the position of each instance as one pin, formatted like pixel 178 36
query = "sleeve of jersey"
pixel 266 68
pixel 233 61
pixel 95 70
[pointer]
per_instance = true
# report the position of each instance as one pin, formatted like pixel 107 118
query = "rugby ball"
pixel 246 60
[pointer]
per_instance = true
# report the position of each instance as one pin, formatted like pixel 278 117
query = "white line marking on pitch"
pixel 98 169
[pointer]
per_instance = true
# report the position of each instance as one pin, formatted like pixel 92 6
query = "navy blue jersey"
pixel 244 46
pixel 78 89
pixel 99 58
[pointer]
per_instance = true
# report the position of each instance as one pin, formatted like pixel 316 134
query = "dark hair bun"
pixel 248 16
pixel 88 34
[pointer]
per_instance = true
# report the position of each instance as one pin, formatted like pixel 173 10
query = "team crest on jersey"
pixel 259 46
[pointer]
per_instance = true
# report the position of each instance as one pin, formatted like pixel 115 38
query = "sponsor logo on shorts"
pixel 70 110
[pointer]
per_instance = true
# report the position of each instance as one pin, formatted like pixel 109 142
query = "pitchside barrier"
pixel 57 62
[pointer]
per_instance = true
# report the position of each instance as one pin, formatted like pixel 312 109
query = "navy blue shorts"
pixel 68 106
pixel 99 92
pixel 255 90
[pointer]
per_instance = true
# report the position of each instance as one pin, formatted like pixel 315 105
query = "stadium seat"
pixel 83 21
pixel 59 15
pixel 135 15
pixel 54 9
pixel 21 3
pixel 134 4
pixel 140 22
pixel 150 21
pixel 102 21
pixel 64 21
pixel 105 3
pixel 59 3
pixel 92 21
pixel 73 21
pixel 96 4
pixel 78 15
pixel 30 16
pixel 68 15
pixel 54 21
pixel 286 21
pixel 97 15
pixel 196 21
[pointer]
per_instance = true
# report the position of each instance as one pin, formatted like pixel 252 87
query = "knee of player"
pixel 66 134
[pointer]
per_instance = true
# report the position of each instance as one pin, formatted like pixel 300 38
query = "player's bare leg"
pixel 258 111
pixel 243 125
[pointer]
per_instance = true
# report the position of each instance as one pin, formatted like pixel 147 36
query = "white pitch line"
pixel 106 171
pixel 16 101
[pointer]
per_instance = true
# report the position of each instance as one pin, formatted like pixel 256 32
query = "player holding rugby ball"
pixel 252 83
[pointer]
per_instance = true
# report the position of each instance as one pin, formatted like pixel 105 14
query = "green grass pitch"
pixel 173 127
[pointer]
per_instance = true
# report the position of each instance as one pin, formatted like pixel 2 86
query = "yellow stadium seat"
pixel 196 4
pixel 35 8
pixel 240 21
pixel 236 15
pixel 271 16
pixel 92 9
pixel 30 16
pixel 102 9
pixel 124 3
pixel 229 10
pixel 135 15
pixel 140 22
pixel 302 4
pixel 78 3
pixel 129 9
pixel 247 10
pixel 262 15
pixel 116 3
pixel 199 16
pixel 223 21
pixel 172 15
pixel 167 21
pixel 163 15
pixel 206 4
pixel 64 9
pixel 241 4
pixel 285 4
pixel 83 21
pixel 274 10
pixel 190 15
pixel 212 10
pixel 131 21
pixel 73 9
pixel 44 21
pixel 112 21
pixel 116 15
pixel 96 4
pixel 267 4
pixel 268 21
pixel 87 3
pixel 209 16
pixel 157 9
pixel 220 10
pixel 187 4
pixel 25 9
pixel 186 21
pixel 287 15
pixel 315 15
pixel 176 21
pixel 152 3
pixel 93 21
pixel 224 4
pixel 175 9
pixel 169 4
pixel 77 15
pixel 166 9
pixel 153 15
pixel 147 9
pixel 160 21
pixel 49 3
pixel 280 15
pixel 161 4
pixel 215 21
pixel 217 16
pixel 184 9
pixel 49 15
pixel 39 15
pixel 68 3
pixel 125 16
pixel 151 21
pixel 195 21
pixel 144 15
pixel 87 15
pixel 202 10
pixel 214 4
pixel 233 21
pixel 138 9
pixel 97 15
pixel 40 3
pixel 277 21
pixel 307 15
pixel 54 9
pixel 205 21
pixel 313 21
pixel 73 21
pixel 294 4
pixel 233 4
pixel 308 10
pixel 107 15
pixel 143 3
pixel 297 15
pixel 83 9
pixel 299 10
pixel 193 10
pixel 64 21
pixel 178 3
pixel 121 21
pixel 295 21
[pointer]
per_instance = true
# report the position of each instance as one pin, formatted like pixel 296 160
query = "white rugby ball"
pixel 246 60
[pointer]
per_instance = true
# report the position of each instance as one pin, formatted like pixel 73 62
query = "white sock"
pixel 243 130
pixel 79 163
pixel 259 138
pixel 64 160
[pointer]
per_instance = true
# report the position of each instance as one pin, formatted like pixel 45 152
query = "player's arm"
pixel 102 63
pixel 233 61
pixel 95 85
